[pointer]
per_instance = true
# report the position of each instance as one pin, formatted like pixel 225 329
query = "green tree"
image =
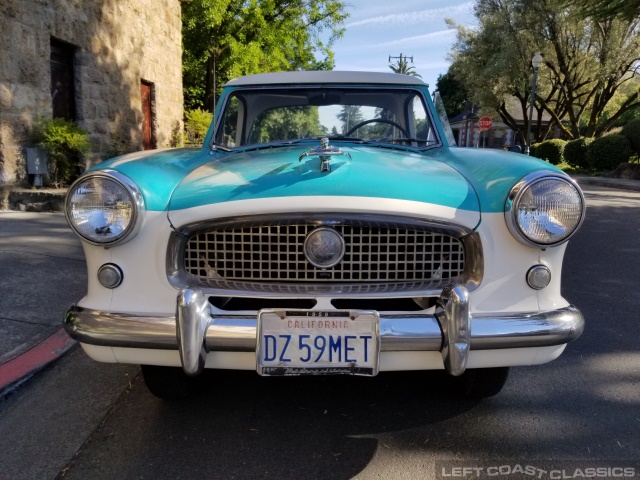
pixel 454 95
pixel 402 66
pixel 350 115
pixel 287 123
pixel 223 39
pixel 586 65
pixel 606 9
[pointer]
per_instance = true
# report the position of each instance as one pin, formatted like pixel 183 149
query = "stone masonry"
pixel 117 45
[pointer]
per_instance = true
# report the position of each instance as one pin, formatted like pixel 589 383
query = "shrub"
pixel 606 153
pixel 632 131
pixel 64 143
pixel 551 150
pixel 196 124
pixel 532 149
pixel 575 152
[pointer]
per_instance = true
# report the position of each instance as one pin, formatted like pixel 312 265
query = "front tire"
pixel 481 382
pixel 171 383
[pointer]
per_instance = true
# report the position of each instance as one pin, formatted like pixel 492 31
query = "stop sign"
pixel 485 123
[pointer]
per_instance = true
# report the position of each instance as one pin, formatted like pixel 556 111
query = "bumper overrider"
pixel 451 330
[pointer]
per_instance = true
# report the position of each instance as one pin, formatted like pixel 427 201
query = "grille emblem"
pixel 324 247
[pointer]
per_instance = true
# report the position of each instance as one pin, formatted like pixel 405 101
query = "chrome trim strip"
pixel 327 219
pixel 179 279
pixel 398 332
pixel 510 213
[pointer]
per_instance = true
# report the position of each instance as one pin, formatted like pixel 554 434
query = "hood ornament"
pixel 325 152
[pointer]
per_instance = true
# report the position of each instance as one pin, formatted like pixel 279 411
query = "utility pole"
pixel 401 57
pixel 402 66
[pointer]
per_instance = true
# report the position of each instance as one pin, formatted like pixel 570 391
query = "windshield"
pixel 376 115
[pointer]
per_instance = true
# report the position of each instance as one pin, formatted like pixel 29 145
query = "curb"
pixel 619 183
pixel 17 370
pixel 28 200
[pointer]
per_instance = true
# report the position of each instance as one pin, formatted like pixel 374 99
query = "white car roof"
pixel 325 76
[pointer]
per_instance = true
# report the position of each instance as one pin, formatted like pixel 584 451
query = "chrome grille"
pixel 274 253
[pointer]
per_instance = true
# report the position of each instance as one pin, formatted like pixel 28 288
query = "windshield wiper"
pixel 340 137
pixel 399 139
pixel 220 147
pixel 276 144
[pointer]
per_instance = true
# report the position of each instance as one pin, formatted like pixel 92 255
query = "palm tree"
pixel 402 66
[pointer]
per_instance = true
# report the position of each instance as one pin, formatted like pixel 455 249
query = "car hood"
pixel 370 172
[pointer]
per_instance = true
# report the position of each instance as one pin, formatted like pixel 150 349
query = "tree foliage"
pixel 453 93
pixel 606 9
pixel 589 65
pixel 223 39
pixel 350 115
pixel 196 124
pixel 287 123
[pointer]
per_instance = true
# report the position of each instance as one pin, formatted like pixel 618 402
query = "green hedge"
pixel 575 152
pixel 532 149
pixel 551 150
pixel 65 143
pixel 606 153
pixel 632 132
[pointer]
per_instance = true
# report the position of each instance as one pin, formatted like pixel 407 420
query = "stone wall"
pixel 119 43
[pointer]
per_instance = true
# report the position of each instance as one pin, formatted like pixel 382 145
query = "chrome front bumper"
pixel 452 330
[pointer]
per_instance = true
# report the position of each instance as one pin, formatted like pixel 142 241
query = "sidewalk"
pixel 632 185
pixel 43 272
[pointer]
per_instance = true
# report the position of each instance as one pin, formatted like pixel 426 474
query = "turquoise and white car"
pixel 326 226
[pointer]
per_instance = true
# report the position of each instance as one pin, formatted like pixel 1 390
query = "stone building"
pixel 113 66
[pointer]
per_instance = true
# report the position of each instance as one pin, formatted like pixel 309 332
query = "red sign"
pixel 485 123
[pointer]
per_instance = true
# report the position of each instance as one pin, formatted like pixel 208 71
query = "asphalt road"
pixel 80 419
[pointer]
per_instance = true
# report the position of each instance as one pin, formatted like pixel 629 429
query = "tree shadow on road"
pixel 245 426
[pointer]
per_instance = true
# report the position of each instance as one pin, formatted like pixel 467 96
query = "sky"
pixel 377 29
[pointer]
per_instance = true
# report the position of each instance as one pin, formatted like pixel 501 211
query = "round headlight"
pixel 103 208
pixel 544 209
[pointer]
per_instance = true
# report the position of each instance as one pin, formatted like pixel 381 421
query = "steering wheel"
pixel 376 120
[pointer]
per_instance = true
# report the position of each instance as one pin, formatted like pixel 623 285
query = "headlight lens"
pixel 545 209
pixel 103 208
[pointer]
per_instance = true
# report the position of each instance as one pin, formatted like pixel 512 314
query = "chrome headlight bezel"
pixel 515 196
pixel 137 202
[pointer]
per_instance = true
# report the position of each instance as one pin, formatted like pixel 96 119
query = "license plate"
pixel 304 342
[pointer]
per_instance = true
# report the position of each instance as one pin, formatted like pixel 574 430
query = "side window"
pixel 444 120
pixel 229 134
